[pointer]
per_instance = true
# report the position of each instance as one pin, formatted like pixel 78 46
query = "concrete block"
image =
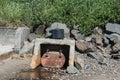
pixel 21 35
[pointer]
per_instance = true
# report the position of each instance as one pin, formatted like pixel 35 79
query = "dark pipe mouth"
pixel 57 33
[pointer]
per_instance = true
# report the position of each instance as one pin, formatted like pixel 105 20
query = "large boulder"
pixel 113 27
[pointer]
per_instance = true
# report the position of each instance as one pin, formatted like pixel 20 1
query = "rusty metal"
pixel 53 59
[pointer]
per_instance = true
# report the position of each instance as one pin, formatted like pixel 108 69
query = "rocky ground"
pixel 17 68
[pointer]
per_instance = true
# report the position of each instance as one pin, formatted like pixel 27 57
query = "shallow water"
pixel 36 74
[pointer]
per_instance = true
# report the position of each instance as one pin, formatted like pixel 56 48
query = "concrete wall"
pixel 11 38
pixel 7 36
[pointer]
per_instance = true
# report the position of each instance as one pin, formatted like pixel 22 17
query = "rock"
pixel 97 30
pixel 116 56
pixel 102 61
pixel 32 36
pixel 113 27
pixel 79 62
pixel 97 38
pixel 22 34
pixel 84 46
pixel 77 34
pixel 57 25
pixel 116 47
pixel 93 55
pixel 104 50
pixel 27 48
pixel 72 70
pixel 40 29
pixel 35 62
pixel 98 57
pixel 87 66
pixel 105 40
pixel 115 37
pixel 88 39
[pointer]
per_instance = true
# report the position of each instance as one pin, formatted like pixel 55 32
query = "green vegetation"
pixel 85 13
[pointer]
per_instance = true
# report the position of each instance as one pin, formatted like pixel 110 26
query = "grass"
pixel 85 13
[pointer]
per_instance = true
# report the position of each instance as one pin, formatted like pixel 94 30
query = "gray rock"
pixel 77 34
pixel 115 37
pixel 32 36
pixel 105 40
pixel 27 48
pixel 100 59
pixel 57 25
pixel 87 66
pixel 21 35
pixel 72 70
pixel 113 27
pixel 93 55
pixel 116 47
pixel 40 29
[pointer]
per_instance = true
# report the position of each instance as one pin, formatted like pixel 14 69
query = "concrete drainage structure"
pixel 66 45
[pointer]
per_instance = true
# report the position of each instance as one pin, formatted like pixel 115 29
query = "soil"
pixel 17 68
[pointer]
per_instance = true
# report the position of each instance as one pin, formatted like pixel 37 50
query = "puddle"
pixel 39 74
